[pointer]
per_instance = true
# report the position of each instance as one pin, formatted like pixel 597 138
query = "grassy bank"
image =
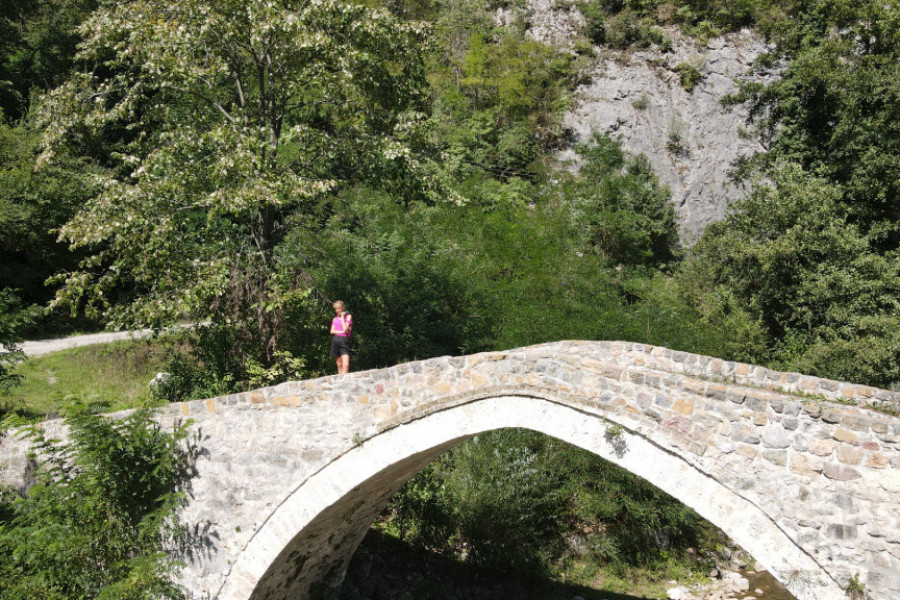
pixel 108 376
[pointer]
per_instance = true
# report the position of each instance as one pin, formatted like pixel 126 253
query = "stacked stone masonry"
pixel 808 455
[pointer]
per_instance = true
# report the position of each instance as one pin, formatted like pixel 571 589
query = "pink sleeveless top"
pixel 339 324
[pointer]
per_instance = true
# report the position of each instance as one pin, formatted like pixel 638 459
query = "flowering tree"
pixel 229 121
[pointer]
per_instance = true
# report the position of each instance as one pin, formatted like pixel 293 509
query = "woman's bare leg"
pixel 343 362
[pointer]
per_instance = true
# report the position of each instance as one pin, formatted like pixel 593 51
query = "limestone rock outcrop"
pixel 691 140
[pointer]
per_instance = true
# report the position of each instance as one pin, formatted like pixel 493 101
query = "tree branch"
pixel 209 101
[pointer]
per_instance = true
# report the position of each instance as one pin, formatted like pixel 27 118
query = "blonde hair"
pixel 339 303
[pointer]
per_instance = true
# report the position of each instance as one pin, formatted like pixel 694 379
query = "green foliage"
pixel 813 258
pixel 620 208
pixel 285 367
pixel 629 29
pixel 494 500
pixel 32 205
pixel 855 589
pixel 595 21
pixel 233 122
pixel 688 75
pixel 37 47
pixel 498 96
pixel 506 252
pixel 631 521
pixel 209 360
pixel 834 110
pixel 507 499
pixel 99 520
pixel 632 23
pixel 401 279
pixel 492 473
pixel 676 144
pixel 12 321
pixel 828 303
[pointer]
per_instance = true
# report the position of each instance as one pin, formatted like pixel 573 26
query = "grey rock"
pixel 690 139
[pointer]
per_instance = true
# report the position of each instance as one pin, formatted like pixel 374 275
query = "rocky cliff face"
pixel 638 96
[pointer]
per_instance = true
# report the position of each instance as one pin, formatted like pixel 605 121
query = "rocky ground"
pixel 732 585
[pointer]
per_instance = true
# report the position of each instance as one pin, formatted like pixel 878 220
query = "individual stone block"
pixel 805 465
pixel 821 447
pixel 848 437
pixel 839 472
pixel 746 434
pixel 813 410
pixel 777 457
pixel 832 415
pixel 840 532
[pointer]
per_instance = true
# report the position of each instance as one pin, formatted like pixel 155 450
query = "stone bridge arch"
pixel 310 538
pixel 798 470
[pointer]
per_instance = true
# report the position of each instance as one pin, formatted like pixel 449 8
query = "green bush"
pixel 620 208
pixel 688 75
pixel 805 277
pixel 13 320
pixel 595 21
pixel 99 522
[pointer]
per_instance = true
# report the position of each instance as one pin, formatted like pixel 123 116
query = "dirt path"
pixel 37 348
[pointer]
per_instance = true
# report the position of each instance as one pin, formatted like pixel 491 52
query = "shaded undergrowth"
pixel 385 568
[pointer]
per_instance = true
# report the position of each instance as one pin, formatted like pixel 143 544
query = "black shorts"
pixel 340 346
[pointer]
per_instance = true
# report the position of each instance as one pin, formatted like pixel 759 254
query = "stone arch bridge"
pixel 797 470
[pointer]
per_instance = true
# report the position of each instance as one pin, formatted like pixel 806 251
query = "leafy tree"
pixel 13 319
pixel 509 499
pixel 827 302
pixel 494 496
pixel 628 520
pixel 33 204
pixel 99 520
pixel 620 207
pixel 492 474
pixel 234 121
pixel 37 47
pixel 498 99
pixel 402 278
pixel 834 109
pixel 812 259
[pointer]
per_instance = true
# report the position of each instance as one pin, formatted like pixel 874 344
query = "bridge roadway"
pixel 797 470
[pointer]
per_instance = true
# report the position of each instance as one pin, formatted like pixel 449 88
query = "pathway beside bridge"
pixel 799 471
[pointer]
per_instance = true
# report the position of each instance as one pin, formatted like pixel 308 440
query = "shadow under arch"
pixel 303 549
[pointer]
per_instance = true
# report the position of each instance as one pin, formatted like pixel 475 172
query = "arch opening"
pixel 303 549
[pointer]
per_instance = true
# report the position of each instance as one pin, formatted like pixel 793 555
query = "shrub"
pixel 688 75
pixel 100 519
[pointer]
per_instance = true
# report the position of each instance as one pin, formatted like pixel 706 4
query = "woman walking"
pixel 341 326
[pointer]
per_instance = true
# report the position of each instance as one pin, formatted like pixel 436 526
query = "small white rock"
pixel 677 593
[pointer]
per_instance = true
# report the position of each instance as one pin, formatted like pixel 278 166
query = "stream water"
pixel 772 590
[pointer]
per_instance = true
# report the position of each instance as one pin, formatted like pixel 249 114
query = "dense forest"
pixel 242 165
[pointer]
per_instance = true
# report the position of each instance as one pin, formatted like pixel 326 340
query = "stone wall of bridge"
pixel 798 470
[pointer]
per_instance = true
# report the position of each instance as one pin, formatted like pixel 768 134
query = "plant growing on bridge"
pixel 231 123
pixel 856 590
